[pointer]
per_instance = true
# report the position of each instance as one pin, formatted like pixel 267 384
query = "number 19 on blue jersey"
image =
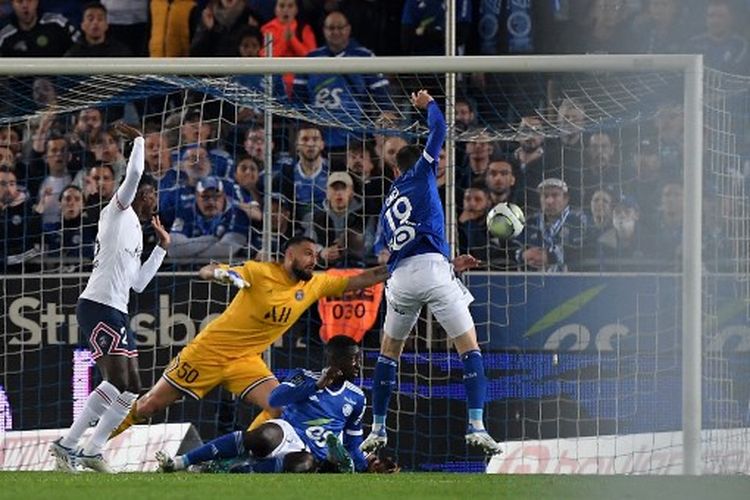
pixel 397 212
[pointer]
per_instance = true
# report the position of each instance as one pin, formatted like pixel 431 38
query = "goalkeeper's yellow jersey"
pixel 260 314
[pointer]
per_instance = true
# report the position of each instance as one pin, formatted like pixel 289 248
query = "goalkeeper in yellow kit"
pixel 228 351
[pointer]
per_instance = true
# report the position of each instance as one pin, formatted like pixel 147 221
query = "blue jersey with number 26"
pixel 412 220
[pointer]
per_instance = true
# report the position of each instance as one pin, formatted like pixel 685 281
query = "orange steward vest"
pixel 351 314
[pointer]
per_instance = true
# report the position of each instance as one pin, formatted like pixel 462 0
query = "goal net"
pixel 580 318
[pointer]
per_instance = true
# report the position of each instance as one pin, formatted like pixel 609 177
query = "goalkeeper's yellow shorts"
pixel 196 373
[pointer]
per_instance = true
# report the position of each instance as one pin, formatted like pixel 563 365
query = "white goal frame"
pixel 690 65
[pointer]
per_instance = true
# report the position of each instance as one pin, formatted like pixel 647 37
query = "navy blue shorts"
pixel 106 329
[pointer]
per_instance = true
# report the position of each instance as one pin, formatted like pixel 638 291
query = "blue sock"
pixel 227 446
pixel 475 384
pixel 382 386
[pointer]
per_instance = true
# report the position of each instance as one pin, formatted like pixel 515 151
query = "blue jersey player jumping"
pixel 413 229
pixel 317 411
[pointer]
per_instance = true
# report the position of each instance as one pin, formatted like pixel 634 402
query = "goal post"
pixel 690 68
pixel 222 66
pixel 692 267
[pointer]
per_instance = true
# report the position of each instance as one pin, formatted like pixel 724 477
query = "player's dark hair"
pixel 6 169
pixel 296 240
pixel 341 345
pixel 408 156
pixel 147 180
pixel 298 461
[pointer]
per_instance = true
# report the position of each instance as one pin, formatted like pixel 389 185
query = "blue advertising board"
pixel 590 313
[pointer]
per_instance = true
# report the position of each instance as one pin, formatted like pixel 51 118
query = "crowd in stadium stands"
pixel 604 200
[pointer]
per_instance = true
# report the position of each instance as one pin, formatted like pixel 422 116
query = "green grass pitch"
pixel 433 486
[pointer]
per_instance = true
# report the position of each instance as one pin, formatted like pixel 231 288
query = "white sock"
pixel 109 422
pixel 477 424
pixel 179 463
pixel 96 404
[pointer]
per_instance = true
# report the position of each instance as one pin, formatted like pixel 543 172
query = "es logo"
pixel 582 338
pixel 725 330
pixel 329 98
pixel 579 334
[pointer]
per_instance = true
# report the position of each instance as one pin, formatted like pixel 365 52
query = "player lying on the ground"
pixel 316 409
pixel 102 310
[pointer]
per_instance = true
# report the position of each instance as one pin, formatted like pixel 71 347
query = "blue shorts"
pixel 106 329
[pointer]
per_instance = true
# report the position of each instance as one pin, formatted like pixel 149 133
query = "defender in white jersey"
pixel 102 310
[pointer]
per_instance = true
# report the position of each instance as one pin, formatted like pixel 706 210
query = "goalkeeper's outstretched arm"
pixel 207 272
pixel 223 274
pixel 368 278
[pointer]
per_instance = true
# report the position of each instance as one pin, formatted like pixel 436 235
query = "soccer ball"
pixel 505 221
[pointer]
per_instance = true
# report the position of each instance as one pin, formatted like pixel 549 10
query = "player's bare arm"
pixel 161 232
pixel 368 278
pixel 207 272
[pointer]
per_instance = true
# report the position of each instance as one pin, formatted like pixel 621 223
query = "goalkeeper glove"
pixel 229 277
